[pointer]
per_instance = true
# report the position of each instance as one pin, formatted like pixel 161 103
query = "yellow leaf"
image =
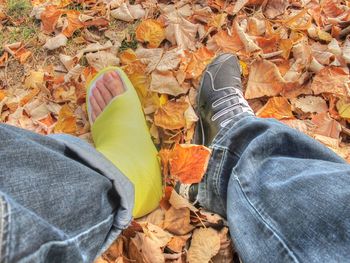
pixel 34 80
pixel 343 108
pixel 66 122
pixel 150 31
pixel 172 115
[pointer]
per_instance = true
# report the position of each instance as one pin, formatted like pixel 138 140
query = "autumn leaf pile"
pixel 293 55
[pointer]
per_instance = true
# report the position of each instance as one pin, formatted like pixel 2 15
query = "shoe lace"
pixel 238 103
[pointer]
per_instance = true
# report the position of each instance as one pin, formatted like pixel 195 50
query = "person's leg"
pixel 121 134
pixel 285 195
pixel 60 200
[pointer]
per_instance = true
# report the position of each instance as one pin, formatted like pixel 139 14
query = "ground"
pixel 294 56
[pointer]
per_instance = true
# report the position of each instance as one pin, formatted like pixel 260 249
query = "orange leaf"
pixel 74 23
pixel 100 21
pixel 326 126
pixel 4 58
pixel 198 61
pixel 276 107
pixel 228 43
pixel 331 80
pixel 189 162
pixel 332 8
pixel 265 80
pixel 66 122
pixel 301 21
pixel 29 96
pixel 150 31
pixel 127 56
pixel 172 115
pixel 49 18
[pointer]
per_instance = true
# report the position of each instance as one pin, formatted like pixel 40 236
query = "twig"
pixel 344 32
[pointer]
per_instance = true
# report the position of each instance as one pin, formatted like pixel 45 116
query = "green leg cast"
pixel 121 134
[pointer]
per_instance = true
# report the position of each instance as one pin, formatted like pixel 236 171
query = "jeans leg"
pixel 60 200
pixel 286 196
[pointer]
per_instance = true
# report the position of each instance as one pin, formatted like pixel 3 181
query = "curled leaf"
pixel 150 31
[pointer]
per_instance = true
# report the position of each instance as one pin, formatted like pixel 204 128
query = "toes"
pixel 106 95
pixel 95 108
pixel 97 95
pixel 93 116
pixel 113 83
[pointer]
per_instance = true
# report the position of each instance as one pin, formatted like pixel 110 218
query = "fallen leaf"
pixel 181 31
pixel 196 62
pixel 128 13
pixel 165 82
pixel 276 107
pixel 55 42
pixel 102 59
pixel 66 122
pixel 331 80
pixel 73 23
pixel 177 221
pixel 310 104
pixel 205 244
pixel 343 108
pixel 156 234
pixel 49 18
pixel 171 115
pixel 265 80
pixel 179 202
pixel 275 8
pixel 150 31
pixel 326 126
pixel 188 162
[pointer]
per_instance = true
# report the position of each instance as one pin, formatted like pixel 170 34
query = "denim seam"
pixel 81 236
pixel 4 240
pixel 217 172
pixel 271 228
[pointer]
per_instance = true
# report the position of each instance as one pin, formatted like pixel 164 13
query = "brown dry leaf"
pixel 225 42
pixel 128 13
pixel 49 18
pixel 178 202
pixel 265 80
pixel 326 126
pixel 189 162
pixel 177 221
pixel 150 31
pixel 171 115
pixel 275 8
pixel 73 23
pixel 34 80
pixel 166 83
pixel 19 51
pixel 310 104
pixel 3 59
pixel 177 243
pixel 241 3
pixel 181 31
pixel 66 122
pixel 55 42
pixel 276 107
pixel 102 59
pixel 331 80
pixel 156 234
pixel 226 251
pixel 145 250
pixel 205 244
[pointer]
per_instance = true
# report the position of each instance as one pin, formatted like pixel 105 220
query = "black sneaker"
pixel 220 99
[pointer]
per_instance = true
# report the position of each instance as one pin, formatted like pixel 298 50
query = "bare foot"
pixel 109 86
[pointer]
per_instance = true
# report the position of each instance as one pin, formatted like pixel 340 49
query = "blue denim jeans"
pixel 60 200
pixel 286 197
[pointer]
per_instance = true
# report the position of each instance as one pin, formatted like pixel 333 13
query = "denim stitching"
pixel 72 240
pixel 4 225
pixel 217 171
pixel 266 224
